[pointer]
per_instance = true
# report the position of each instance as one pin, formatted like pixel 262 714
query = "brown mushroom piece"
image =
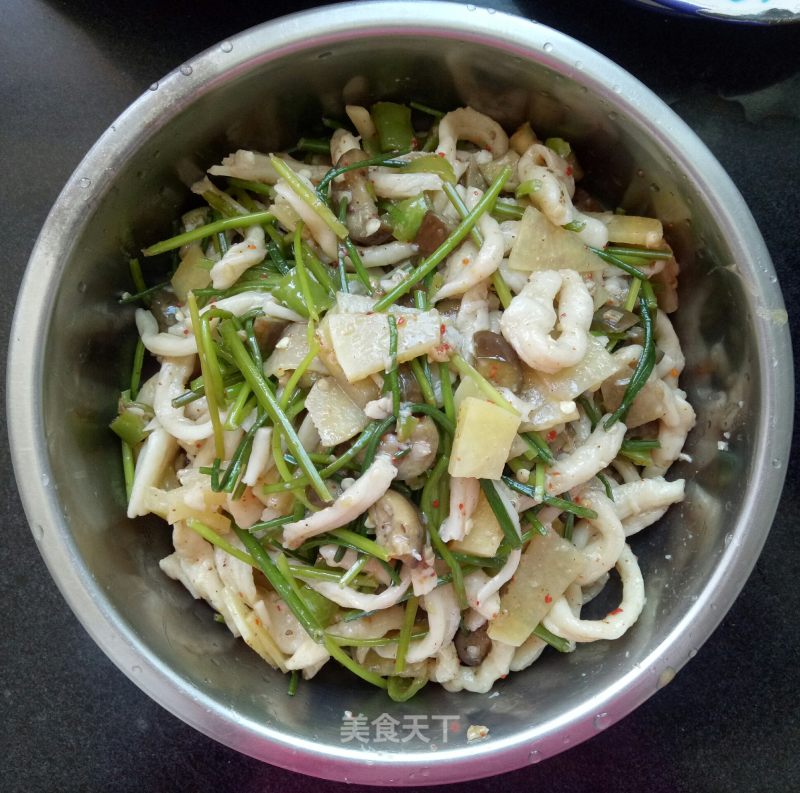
pixel 473 646
pixel 416 455
pixel 398 528
pixel 496 360
pixel 363 221
pixel 268 332
pixel 433 231
pixel 164 307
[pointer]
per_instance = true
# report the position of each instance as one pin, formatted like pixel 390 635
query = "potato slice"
pixel 336 417
pixel 542 246
pixel 192 272
pixel 484 434
pixel 485 536
pixel 290 350
pixel 361 341
pixel 548 566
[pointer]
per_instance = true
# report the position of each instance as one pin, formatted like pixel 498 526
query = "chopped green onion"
pixel 384 160
pixel 254 187
pixel 353 572
pixel 201 232
pixel 642 253
pixel 447 247
pixel 432 164
pixel 208 534
pixel 426 109
pixel 338 654
pixel 314 145
pixel 538 490
pixel 294 680
pixel 363 544
pixel 526 188
pixel 143 294
pixel 633 294
pixel 391 374
pixel 574 225
pixel 409 617
pixel 501 513
pixel 129 426
pixel 309 197
pixel 606 486
pixel 645 364
pixel 556 642
pixel 539 445
pixel 382 641
pixel 401 689
pixel 617 262
pixel 552 501
pixel 447 424
pixel 506 210
pixel 280 584
pixel 128 469
pixel 136 275
pixel 485 387
pixel 559 146
pixel 255 377
pixel 302 275
pixel 424 381
pixel 209 366
pixel 587 403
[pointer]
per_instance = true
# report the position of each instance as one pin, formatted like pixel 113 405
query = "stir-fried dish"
pixel 412 391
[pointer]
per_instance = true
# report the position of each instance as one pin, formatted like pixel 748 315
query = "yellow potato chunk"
pixel 361 341
pixel 484 537
pixel 484 434
pixel 548 566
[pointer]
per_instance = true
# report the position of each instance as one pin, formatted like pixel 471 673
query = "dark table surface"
pixel 71 721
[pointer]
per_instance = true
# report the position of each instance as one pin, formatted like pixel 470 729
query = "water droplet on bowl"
pixel 727 540
pixel 186 70
pixel 535 756
pixel 692 653
pixel 82 287
pixel 548 47
pixel 154 86
pixel 579 65
pixel 226 46
pixel 776 463
pixel 45 480
pixel 38 531
pixel 84 182
pixel 471 7
pixel 601 721
pixel 136 670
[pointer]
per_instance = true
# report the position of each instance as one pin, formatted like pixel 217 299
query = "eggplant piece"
pixel 496 360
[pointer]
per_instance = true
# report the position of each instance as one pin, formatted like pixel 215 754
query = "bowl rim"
pixel 93 177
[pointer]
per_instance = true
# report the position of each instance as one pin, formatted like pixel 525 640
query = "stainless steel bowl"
pixel 71 349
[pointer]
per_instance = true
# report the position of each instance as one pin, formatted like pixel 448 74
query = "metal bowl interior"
pixel 72 343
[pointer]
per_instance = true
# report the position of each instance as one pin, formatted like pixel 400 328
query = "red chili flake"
pixel 441 154
pixel 548 599
pixel 435 503
pixel 493 371
pixel 488 148
pixel 569 170
pixel 454 726
pixel 370 313
pixel 414 143
pixel 442 328
pixel 465 261
pixel 251 247
pixel 552 435
pixel 401 321
pixel 615 611
pixel 460 507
